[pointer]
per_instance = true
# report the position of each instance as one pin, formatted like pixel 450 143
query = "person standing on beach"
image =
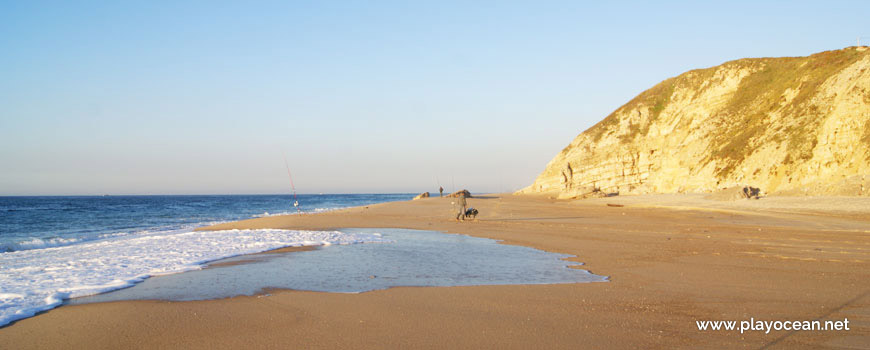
pixel 460 202
pixel 440 191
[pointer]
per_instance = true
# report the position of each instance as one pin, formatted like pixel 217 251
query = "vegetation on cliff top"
pixel 782 86
pixel 747 114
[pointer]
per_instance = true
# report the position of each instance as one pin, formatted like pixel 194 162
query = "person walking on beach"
pixel 440 191
pixel 460 202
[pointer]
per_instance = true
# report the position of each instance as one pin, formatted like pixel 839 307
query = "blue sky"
pixel 181 97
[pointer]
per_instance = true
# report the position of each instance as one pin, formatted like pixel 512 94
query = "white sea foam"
pixel 40 279
pixel 37 243
pixel 316 210
pixel 267 214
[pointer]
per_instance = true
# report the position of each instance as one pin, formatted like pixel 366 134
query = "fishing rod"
pixel 292 187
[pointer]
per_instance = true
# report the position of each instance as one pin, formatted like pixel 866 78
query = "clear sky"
pixel 196 97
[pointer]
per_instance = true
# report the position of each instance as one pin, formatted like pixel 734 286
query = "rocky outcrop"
pixel 791 125
pixel 457 193
pixel 422 195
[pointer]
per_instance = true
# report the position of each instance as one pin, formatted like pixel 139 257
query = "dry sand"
pixel 672 260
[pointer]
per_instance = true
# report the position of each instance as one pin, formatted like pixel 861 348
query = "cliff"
pixel 792 125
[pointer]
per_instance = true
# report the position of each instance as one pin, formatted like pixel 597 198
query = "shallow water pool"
pixel 413 258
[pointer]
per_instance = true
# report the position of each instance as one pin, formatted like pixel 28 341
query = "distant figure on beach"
pixel 440 191
pixel 461 204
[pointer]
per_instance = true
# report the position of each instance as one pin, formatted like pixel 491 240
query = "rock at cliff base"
pixel 586 193
pixel 858 185
pixel 422 195
pixel 735 193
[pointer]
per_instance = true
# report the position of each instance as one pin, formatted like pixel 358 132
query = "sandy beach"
pixel 672 260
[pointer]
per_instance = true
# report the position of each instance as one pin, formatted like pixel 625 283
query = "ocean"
pixel 56 248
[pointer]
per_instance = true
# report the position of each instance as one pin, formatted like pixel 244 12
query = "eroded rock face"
pixel 786 125
pixel 422 195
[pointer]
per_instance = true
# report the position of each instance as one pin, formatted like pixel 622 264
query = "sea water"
pixel 54 248
pixel 42 222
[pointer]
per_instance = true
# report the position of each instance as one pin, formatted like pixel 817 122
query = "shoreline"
pixel 667 268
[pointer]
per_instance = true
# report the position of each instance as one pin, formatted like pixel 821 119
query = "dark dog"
pixel 471 213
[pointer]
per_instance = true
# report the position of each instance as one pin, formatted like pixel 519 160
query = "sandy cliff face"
pixel 797 125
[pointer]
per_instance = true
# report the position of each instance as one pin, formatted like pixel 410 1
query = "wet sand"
pixel 245 259
pixel 672 260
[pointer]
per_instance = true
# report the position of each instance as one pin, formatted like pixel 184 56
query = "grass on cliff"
pixel 655 100
pixel 746 116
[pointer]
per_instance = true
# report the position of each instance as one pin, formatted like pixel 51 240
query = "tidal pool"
pixel 413 258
